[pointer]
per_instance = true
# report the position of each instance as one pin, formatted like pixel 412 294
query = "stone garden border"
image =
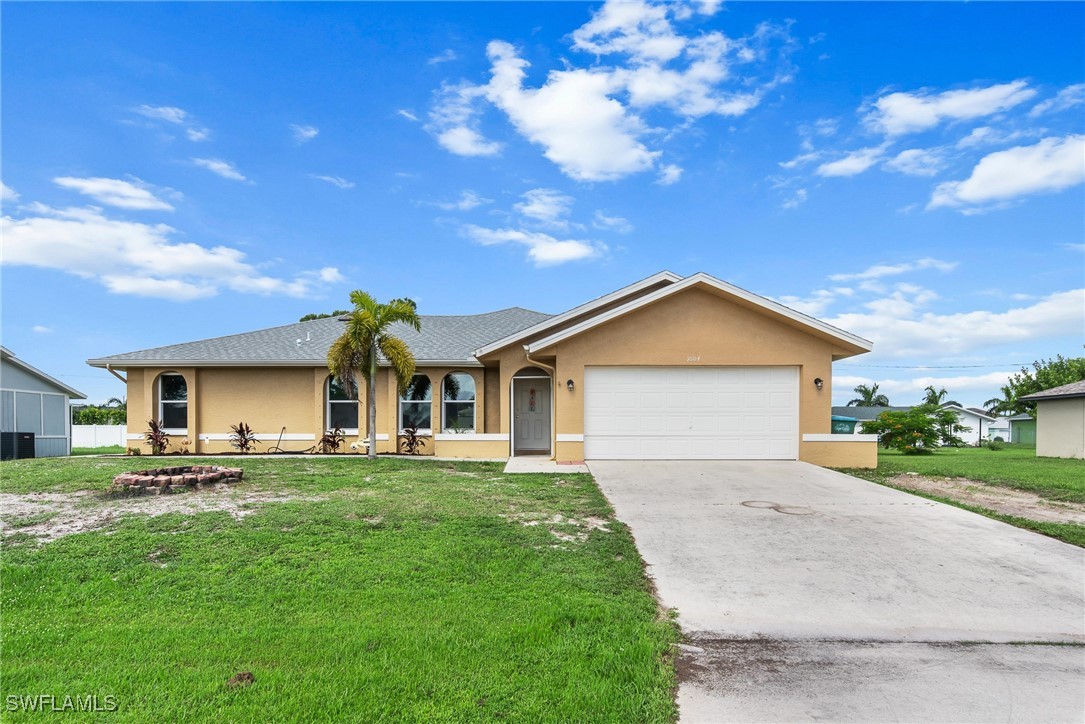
pixel 176 479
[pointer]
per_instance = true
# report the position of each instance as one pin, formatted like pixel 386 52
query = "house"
pixel 1060 421
pixel 864 414
pixel 665 368
pixel 34 416
pixel 1023 429
pixel 999 428
pixel 974 418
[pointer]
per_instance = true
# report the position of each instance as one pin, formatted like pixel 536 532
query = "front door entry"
pixel 531 415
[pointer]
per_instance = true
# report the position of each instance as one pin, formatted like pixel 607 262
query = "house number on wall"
pixel 531 400
pixel 693 358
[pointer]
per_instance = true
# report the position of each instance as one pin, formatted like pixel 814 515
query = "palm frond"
pixel 401 359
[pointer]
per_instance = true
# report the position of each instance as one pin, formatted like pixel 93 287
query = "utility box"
pixel 844 425
pixel 16 445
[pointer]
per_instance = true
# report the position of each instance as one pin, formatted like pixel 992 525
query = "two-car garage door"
pixel 691 413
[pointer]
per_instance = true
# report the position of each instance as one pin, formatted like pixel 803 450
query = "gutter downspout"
pixel 553 402
pixel 110 370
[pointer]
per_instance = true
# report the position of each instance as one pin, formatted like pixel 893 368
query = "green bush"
pixel 917 431
pixel 995 444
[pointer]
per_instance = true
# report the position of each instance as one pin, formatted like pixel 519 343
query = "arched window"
pixel 415 406
pixel 173 402
pixel 458 402
pixel 341 410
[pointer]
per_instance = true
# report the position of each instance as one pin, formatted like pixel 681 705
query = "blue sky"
pixel 910 172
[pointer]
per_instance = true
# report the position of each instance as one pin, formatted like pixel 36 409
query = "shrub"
pixel 156 437
pixel 995 444
pixel 411 441
pixel 242 438
pixel 913 432
pixel 331 441
pixel 998 438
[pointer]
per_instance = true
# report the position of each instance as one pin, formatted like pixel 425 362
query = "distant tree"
pixel 917 431
pixel 405 300
pixel 324 315
pixel 868 397
pixel 1044 375
pixel 938 397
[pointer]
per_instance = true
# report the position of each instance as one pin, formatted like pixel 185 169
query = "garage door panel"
pixel 691 413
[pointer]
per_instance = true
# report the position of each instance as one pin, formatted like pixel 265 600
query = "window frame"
pixel 473 401
pixel 328 402
pixel 428 431
pixel 163 402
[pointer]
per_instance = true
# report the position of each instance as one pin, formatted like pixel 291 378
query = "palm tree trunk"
pixel 372 400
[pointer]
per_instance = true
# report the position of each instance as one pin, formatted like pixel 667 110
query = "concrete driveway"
pixel 806 594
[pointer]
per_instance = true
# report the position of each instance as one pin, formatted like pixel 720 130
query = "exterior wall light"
pixel 819 383
pixel 569 384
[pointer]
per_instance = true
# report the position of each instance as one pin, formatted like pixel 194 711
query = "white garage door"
pixel 691 413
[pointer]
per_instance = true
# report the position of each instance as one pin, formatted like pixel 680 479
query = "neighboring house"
pixel 1023 429
pixel 974 418
pixel 862 414
pixel 34 417
pixel 1060 421
pixel 1000 427
pixel 666 368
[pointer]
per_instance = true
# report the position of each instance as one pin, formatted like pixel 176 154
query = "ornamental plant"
pixel 156 437
pixel 917 431
pixel 242 438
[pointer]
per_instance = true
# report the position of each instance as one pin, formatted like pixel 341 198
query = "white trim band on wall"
pixel 569 437
pixel 262 437
pixel 826 437
pixel 472 436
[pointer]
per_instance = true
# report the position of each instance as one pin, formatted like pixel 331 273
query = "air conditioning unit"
pixel 16 445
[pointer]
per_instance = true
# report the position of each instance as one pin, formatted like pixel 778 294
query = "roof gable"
pixel 850 344
pixel 1074 389
pixel 9 358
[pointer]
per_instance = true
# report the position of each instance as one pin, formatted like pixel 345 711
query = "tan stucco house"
pixel 1060 421
pixel 665 368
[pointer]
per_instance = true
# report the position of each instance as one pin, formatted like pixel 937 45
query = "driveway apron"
pixel 806 594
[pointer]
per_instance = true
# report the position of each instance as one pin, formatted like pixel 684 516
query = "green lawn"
pixel 401 590
pixel 1014 467
pixel 107 450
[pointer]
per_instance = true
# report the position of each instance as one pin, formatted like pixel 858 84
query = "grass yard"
pixel 107 450
pixel 394 590
pixel 1055 479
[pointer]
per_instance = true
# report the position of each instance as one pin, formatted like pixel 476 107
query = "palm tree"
pixel 869 397
pixel 367 336
pixel 936 397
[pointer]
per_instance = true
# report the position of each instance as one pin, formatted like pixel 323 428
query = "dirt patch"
pixel 49 516
pixel 569 530
pixel 1007 501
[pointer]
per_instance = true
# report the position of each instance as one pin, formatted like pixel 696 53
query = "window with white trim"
pixel 458 402
pixel 415 405
pixel 341 410
pixel 173 402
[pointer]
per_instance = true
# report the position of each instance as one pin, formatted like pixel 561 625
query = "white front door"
pixel 691 413
pixel 531 415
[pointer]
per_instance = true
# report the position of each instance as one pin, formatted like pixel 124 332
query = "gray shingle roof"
pixel 443 338
pixel 1074 389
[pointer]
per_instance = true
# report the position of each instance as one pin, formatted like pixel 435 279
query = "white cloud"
pixel 1068 97
pixel 586 119
pixel 979 387
pixel 899 328
pixel 669 174
pixel 7 194
pixel 797 199
pixel 303 134
pixel 545 206
pixel 814 305
pixel 445 56
pixel 543 249
pixel 169 114
pixel 128 257
pixel 222 168
pixel 198 134
pixel 115 192
pixel 606 222
pixel 40 329
pixel 853 164
pixel 330 275
pixel 335 181
pixel 468 200
pixel 917 162
pixel 407 114
pixel 1051 165
pixel 899 113
pixel 880 271
pixel 1074 247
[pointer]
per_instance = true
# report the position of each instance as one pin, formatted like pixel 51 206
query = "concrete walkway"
pixel 542 464
pixel 809 595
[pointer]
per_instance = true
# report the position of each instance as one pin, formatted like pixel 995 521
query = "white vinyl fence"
pixel 99 435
